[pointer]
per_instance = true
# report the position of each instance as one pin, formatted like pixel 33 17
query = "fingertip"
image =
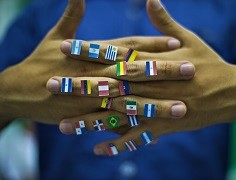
pixel 155 5
pixel 99 151
pixel 65 47
pixel 53 85
pixel 66 127
pixel 178 110
pixel 187 69
pixel 154 142
pixel 173 44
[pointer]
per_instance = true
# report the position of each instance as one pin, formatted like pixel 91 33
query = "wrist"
pixel 5 115
pixel 232 96
pixel 220 97
pixel 234 91
pixel 7 110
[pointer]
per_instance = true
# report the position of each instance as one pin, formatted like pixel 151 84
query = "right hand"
pixel 23 93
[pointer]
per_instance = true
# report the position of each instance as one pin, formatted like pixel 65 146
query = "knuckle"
pixel 130 98
pixel 112 85
pixel 114 91
pixel 102 52
pixel 118 103
pixel 134 69
pixel 166 69
pixel 159 109
pixel 132 87
pixel 95 90
pixel 131 43
pixel 83 70
pixel 121 100
pixel 76 84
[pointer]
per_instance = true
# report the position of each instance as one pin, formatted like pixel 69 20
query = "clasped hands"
pixel 182 101
pixel 164 91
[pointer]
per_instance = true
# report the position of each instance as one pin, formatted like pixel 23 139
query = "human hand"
pixel 23 93
pixel 209 96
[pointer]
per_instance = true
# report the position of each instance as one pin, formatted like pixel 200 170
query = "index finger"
pixel 125 49
pixel 147 44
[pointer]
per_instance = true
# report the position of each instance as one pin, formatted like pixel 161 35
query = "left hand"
pixel 23 93
pixel 210 95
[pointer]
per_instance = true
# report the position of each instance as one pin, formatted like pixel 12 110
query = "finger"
pixel 84 86
pixel 143 106
pixel 94 86
pixel 155 70
pixel 99 121
pixel 146 44
pixel 149 108
pixel 137 71
pixel 105 120
pixel 134 133
pixel 146 133
pixel 82 50
pixel 131 141
pixel 163 22
pixel 73 14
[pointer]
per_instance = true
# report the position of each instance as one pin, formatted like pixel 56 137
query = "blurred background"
pixel 18 148
pixel 9 9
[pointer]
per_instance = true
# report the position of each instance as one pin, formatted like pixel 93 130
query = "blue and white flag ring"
pixel 146 137
pixel 76 47
pixel 66 85
pixel 111 53
pixel 94 50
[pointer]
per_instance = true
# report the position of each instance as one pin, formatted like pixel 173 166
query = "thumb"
pixel 163 21
pixel 68 23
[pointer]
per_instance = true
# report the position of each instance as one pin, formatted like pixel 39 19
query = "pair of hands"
pixel 207 96
pixel 23 92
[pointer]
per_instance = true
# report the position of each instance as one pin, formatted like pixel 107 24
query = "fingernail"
pixel 156 4
pixel 66 127
pixel 178 110
pixel 187 69
pixel 65 46
pixel 99 151
pixel 53 85
pixel 154 142
pixel 173 44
